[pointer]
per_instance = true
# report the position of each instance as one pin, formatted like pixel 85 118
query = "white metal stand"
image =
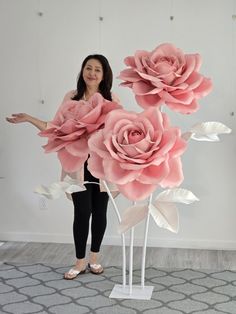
pixel 122 235
pixel 138 292
pixel 131 291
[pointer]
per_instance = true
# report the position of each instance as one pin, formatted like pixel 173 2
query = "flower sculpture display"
pixel 166 76
pixel 138 152
pixel 74 122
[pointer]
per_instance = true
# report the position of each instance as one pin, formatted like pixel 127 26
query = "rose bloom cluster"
pixel 138 152
pixel 74 122
pixel 166 76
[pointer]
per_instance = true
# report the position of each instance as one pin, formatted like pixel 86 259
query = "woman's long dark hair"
pixel 106 83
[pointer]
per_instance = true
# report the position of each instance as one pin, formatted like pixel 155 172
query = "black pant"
pixel 88 202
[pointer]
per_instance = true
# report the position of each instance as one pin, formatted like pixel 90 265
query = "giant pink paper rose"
pixel 138 152
pixel 69 131
pixel 166 76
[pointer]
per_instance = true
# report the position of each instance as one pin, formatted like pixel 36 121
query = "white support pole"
pixel 139 292
pixel 131 260
pixel 145 244
pixel 122 235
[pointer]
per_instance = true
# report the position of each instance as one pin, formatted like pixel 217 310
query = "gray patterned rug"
pixel 39 288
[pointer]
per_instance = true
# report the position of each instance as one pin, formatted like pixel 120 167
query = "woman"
pixel 95 76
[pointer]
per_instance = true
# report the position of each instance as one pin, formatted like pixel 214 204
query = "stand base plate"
pixel 137 292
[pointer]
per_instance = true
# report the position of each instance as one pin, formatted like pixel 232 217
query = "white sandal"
pixel 73 273
pixel 95 269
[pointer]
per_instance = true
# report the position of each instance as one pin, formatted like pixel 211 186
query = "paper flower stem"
pixel 131 260
pixel 145 243
pixel 122 235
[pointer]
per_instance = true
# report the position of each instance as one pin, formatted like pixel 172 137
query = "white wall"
pixel 40 60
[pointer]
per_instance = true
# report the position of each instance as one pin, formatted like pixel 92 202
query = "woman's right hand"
pixel 19 118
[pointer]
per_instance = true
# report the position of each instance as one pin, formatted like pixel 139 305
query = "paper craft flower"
pixel 69 131
pixel 166 76
pixel 138 152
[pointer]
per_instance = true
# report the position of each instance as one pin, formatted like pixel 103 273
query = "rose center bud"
pixel 135 136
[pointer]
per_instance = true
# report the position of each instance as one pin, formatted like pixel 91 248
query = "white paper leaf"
pixel 206 138
pixel 48 192
pixel 74 188
pixel 166 216
pixel 132 216
pixel 210 127
pixel 57 189
pixel 70 180
pixel 177 195
pixel 206 131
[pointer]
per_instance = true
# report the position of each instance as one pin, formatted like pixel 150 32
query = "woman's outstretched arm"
pixel 24 117
pixel 39 124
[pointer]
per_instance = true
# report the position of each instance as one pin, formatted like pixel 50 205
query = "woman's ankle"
pixel 93 257
pixel 80 263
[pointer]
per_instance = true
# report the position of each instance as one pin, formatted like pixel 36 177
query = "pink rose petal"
pixel 69 162
pixel 115 174
pixel 136 191
pixel 95 166
pixel 175 176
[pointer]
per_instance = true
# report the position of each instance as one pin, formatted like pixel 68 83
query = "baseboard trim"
pixel 177 243
pixel 116 240
pixel 36 237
